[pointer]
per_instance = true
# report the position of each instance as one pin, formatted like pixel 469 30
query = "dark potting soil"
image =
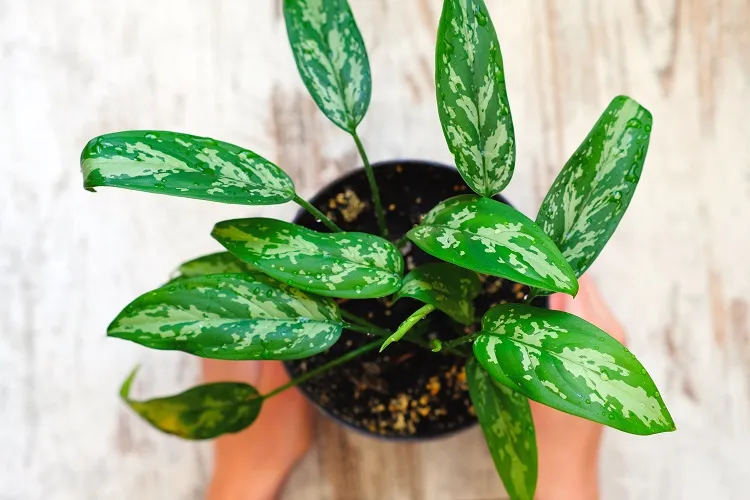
pixel 407 391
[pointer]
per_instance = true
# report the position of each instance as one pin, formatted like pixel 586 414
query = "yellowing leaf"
pixel 202 412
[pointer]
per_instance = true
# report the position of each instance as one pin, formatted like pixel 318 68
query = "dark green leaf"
pixel 490 237
pixel 590 195
pixel 450 288
pixel 472 102
pixel 183 165
pixel 567 363
pixel 231 316
pixel 347 265
pixel 202 412
pixel 215 263
pixel 331 58
pixel 505 417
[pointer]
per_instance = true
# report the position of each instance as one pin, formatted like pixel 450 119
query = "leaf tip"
pixel 386 343
pixel 125 388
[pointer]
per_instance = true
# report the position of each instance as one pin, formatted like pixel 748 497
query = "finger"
pixel 558 301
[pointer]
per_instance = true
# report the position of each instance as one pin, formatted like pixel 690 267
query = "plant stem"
pixel 317 213
pixel 338 361
pixel 360 325
pixel 401 242
pixel 407 325
pixel 365 329
pixel 460 341
pixel 373 186
pixel 531 296
pixel 371 329
pixel 383 332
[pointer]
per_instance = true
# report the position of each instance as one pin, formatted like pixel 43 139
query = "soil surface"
pixel 407 391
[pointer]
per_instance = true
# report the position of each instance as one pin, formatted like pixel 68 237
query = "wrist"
pixel 583 487
pixel 257 483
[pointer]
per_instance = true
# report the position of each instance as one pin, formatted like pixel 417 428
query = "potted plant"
pixel 447 277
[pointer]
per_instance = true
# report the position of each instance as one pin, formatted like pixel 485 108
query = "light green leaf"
pixel 202 412
pixel 590 195
pixel 472 102
pixel 490 237
pixel 450 288
pixel 183 165
pixel 231 316
pixel 331 58
pixel 505 417
pixel 346 265
pixel 564 362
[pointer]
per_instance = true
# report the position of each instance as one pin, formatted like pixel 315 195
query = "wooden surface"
pixel 677 271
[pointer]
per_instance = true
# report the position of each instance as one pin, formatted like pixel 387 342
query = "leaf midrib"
pixel 336 257
pixel 299 319
pixel 336 76
pixel 594 184
pixel 551 353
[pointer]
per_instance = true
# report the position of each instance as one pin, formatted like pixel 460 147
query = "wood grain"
pixel 676 272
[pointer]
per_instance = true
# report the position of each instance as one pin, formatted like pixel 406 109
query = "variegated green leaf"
pixel 564 362
pixel 231 316
pixel 590 195
pixel 490 237
pixel 346 265
pixel 215 263
pixel 505 417
pixel 183 165
pixel 472 102
pixel 331 58
pixel 449 288
pixel 202 412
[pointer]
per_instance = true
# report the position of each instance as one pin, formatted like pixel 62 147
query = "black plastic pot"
pixel 406 392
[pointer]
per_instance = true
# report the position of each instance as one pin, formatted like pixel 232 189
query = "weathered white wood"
pixel 676 271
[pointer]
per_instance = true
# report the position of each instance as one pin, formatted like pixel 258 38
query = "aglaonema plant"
pixel 271 296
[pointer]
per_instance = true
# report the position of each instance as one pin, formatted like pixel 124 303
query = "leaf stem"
pixel 530 296
pixel 365 329
pixel 401 242
pixel 373 186
pixel 352 318
pixel 407 324
pixel 317 213
pixel 361 325
pixel 460 341
pixel 317 371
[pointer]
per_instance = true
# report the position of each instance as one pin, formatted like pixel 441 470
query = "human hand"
pixel 568 445
pixel 254 463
